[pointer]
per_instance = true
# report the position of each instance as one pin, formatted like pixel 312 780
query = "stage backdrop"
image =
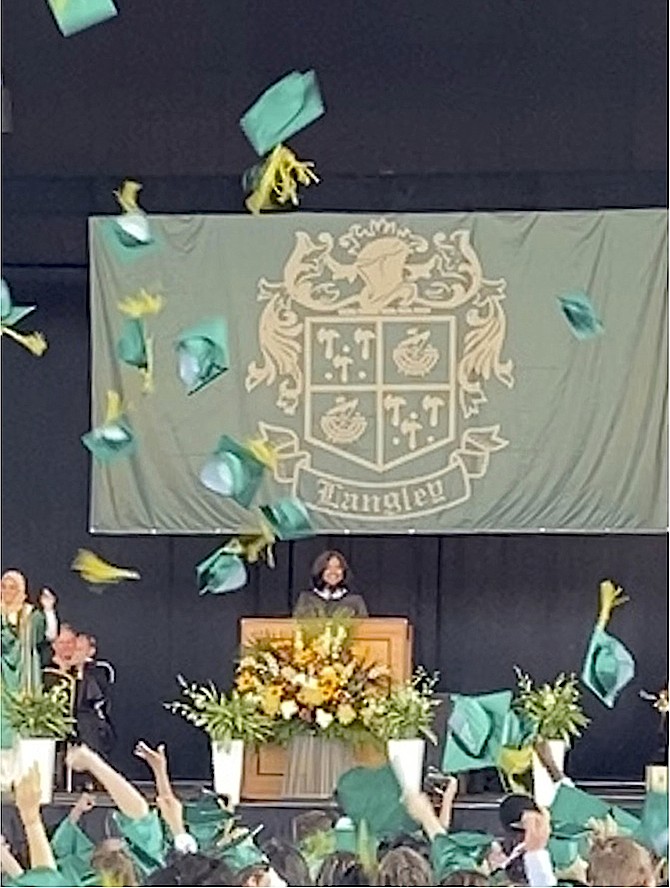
pixel 414 372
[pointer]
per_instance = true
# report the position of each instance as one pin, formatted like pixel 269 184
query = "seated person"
pixel 329 593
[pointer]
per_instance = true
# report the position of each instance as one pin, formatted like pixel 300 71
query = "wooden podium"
pixel 385 640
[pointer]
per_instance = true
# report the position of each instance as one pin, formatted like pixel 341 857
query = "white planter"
pixel 544 787
pixel 227 764
pixel 40 751
pixel 406 757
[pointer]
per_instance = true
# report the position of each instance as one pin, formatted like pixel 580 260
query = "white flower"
pixel 323 718
pixel 288 709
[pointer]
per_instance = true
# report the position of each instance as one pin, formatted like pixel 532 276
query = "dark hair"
pixel 465 878
pixel 191 869
pixel 308 823
pixel 320 564
pixel 404 840
pixel 287 862
pixel 404 866
pixel 342 868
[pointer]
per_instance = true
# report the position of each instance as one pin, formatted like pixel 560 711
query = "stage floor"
pixel 471 812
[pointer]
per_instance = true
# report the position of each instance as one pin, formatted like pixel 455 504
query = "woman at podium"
pixel 329 593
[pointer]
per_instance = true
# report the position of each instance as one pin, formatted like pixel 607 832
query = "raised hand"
pixel 155 758
pixel 537 827
pixel 47 599
pixel 78 758
pixel 28 795
pixel 85 803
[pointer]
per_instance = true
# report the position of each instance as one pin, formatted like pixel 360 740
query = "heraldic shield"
pixel 380 391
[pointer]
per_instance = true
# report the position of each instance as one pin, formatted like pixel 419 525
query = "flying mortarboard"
pixel 609 666
pixel 11 314
pixel 373 796
pixel 653 829
pixel 114 438
pixel 134 347
pixel 580 314
pixel 221 571
pixel 289 519
pixel 132 226
pixel 284 109
pixel 202 352
pixel 574 807
pixel 73 16
pixel 234 471
pixel 95 570
pixel 475 731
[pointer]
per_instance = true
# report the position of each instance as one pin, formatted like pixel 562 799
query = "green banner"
pixel 412 372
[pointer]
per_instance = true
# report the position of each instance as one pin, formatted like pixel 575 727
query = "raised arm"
pixel 27 797
pixel 124 795
pixel 8 863
pixel 156 759
pixel 420 808
pixel 169 805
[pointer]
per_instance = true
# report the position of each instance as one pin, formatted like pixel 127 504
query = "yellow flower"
pixel 270 700
pixel 246 681
pixel 310 696
pixel 346 714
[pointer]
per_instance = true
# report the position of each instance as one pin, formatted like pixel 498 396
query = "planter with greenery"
pixel 231 721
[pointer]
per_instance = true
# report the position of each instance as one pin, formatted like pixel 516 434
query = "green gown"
pixel 21 667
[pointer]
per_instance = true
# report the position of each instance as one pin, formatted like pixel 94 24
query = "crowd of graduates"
pixel 383 837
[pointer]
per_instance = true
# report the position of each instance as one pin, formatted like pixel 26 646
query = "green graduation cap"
pixel 458 850
pixel 132 347
pixel 574 807
pixel 374 795
pixel 242 852
pixel 133 229
pixel 205 819
pixel 110 441
pixel 608 666
pixel 653 829
pixel 73 16
pixel 289 519
pixel 284 109
pixel 233 471
pixel 475 730
pixel 203 354
pixel 221 571
pixel 580 314
pixel 11 314
pixel 566 843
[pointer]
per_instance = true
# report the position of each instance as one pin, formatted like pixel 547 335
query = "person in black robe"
pixel 92 705
pixel 329 593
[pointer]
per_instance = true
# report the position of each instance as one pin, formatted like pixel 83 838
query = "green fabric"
pixel 20 659
pixel 573 807
pixel 374 795
pixel 349 334
pixel 459 850
pixel 205 819
pixel 289 519
pixel 69 840
pixel 608 667
pixel 284 109
pixel 233 471
pixel 11 314
pixel 653 828
pixel 41 876
pixel 145 839
pixel 475 730
pixel 77 15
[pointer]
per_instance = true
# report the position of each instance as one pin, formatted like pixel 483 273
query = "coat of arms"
pixel 379 347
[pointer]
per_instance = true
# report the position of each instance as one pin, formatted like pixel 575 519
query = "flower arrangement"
pixel 223 717
pixel 40 713
pixel 407 712
pixel 312 683
pixel 554 709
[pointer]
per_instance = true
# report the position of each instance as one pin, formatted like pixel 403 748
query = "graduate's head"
pixel 12 591
pixel 287 862
pixel 113 865
pixel 342 868
pixel 618 860
pixel 467 878
pixel 64 645
pixel 404 866
pixel 330 570
pixel 192 869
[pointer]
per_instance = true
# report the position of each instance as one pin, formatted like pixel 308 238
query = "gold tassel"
pixel 127 194
pixel 141 304
pixel 93 569
pixel 279 180
pixel 513 764
pixel 611 596
pixel 147 373
pixel 264 451
pixel 34 342
pixel 114 411
pixel 254 546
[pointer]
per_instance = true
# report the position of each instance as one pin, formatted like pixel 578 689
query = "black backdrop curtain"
pixel 431 106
